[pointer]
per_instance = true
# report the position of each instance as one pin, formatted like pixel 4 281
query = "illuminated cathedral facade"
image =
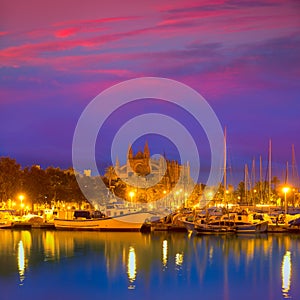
pixel 142 165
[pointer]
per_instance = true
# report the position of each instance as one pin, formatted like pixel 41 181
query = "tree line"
pixel 54 184
pixel 39 185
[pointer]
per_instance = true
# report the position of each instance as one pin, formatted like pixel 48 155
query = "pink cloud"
pixel 94 22
pixel 86 26
pixel 67 32
pixel 230 22
pixel 28 54
pixel 117 72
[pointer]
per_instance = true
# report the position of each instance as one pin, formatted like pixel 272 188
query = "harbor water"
pixel 45 264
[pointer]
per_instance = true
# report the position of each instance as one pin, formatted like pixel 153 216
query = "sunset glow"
pixel 55 57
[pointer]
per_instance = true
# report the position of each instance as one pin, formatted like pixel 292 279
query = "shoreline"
pixel 153 227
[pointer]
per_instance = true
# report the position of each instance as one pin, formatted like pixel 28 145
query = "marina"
pixel 156 265
pixel 187 220
pixel 148 150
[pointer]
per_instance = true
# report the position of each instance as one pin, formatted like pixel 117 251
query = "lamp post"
pixel 131 195
pixel 21 198
pixel 254 197
pixel 285 189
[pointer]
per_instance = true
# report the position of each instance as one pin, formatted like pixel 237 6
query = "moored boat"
pixel 189 225
pixel 6 219
pixel 252 228
pixel 242 222
pixel 214 229
pixel 5 224
pixel 126 222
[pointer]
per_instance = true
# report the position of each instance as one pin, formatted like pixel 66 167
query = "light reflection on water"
pixel 21 261
pixel 158 265
pixel 131 267
pixel 165 253
pixel 286 271
pixel 179 259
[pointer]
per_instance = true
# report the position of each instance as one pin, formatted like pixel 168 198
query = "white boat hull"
pixel 5 224
pixel 129 222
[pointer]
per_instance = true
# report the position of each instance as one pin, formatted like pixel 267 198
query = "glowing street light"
pixel 131 195
pixel 21 198
pixel 285 189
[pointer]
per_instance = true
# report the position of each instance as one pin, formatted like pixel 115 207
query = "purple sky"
pixel 243 57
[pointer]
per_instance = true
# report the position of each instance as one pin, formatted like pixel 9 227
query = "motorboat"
pixel 85 220
pixel 6 219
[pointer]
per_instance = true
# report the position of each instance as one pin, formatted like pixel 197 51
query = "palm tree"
pixel 110 175
pixel 275 181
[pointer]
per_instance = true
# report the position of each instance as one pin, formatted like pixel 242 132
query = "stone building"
pixel 167 173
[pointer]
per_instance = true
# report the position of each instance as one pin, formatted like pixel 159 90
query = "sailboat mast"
pixel 225 165
pixel 287 173
pixel 246 183
pixel 295 176
pixel 253 176
pixel 270 170
pixel 260 178
pixel 252 184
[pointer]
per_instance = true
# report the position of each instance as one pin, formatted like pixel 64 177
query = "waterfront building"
pixel 158 176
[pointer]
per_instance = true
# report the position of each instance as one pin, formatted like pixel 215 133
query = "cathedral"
pixel 141 164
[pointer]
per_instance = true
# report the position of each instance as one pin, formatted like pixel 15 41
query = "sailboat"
pixel 202 224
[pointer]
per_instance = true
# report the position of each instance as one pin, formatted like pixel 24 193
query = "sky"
pixel 243 57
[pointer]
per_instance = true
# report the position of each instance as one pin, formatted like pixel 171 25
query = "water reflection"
pixel 165 253
pixel 23 241
pixel 131 267
pixel 286 272
pixel 179 259
pixel 21 261
pixel 49 246
pixel 171 263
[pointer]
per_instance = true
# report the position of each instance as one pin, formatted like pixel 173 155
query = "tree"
pixel 275 181
pixel 240 191
pixel 110 175
pixel 10 178
pixel 36 184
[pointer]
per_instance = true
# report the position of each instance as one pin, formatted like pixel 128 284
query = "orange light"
pixel 131 194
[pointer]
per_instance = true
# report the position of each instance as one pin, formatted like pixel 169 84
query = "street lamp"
pixel 131 195
pixel 21 198
pixel 254 196
pixel 285 189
